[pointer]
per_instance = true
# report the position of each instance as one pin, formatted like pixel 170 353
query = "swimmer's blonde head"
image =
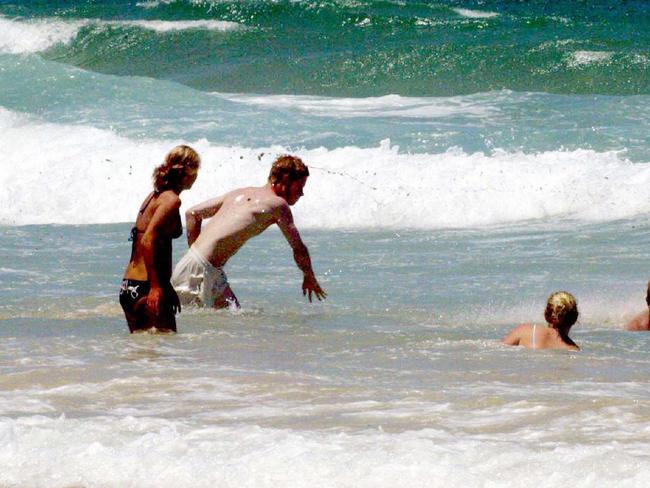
pixel 169 175
pixel 561 310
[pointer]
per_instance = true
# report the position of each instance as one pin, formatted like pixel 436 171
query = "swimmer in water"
pixel 560 314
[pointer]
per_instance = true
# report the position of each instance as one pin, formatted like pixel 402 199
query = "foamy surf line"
pixel 386 106
pixel 475 14
pixel 582 58
pixel 144 452
pixel 180 25
pixel 81 175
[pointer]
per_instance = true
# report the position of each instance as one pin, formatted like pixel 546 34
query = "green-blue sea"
pixel 467 159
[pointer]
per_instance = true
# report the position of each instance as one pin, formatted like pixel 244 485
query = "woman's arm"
pixel 168 205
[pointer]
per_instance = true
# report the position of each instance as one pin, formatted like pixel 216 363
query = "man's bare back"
pixel 242 214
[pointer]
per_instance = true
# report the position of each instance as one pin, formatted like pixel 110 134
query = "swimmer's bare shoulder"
pixel 280 207
pixel 166 203
pixel 513 338
pixel 640 322
pixel 262 202
pixel 252 195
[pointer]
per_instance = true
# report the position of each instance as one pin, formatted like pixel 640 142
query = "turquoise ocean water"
pixel 467 159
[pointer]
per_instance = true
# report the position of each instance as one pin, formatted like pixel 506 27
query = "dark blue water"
pixel 365 48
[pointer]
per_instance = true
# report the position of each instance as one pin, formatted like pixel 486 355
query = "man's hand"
pixel 310 285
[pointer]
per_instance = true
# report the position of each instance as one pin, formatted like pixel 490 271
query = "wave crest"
pixel 79 175
pixel 31 36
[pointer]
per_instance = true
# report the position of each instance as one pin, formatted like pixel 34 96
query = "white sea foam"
pixel 30 36
pixel 148 4
pixel 178 25
pixel 76 175
pixel 386 106
pixel 423 21
pixel 20 272
pixel 553 44
pixel 583 58
pixel 597 309
pixel 147 452
pixel 475 14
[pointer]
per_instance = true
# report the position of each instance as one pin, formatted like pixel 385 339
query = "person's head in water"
pixel 179 170
pixel 288 177
pixel 561 311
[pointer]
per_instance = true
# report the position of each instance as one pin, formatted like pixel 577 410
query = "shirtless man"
pixel 234 218
pixel 642 321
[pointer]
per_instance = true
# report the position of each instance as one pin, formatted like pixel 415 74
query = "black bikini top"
pixel 178 229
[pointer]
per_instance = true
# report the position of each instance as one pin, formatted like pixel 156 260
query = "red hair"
pixel 287 167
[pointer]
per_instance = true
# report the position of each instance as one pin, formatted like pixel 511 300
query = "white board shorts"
pixel 196 280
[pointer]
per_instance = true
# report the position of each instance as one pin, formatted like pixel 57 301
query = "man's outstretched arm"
pixel 300 254
pixel 195 215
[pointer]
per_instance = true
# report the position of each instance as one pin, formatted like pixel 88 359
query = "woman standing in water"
pixel 147 298
pixel 560 314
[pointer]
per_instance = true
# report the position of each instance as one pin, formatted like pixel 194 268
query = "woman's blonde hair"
pixel 561 309
pixel 168 176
